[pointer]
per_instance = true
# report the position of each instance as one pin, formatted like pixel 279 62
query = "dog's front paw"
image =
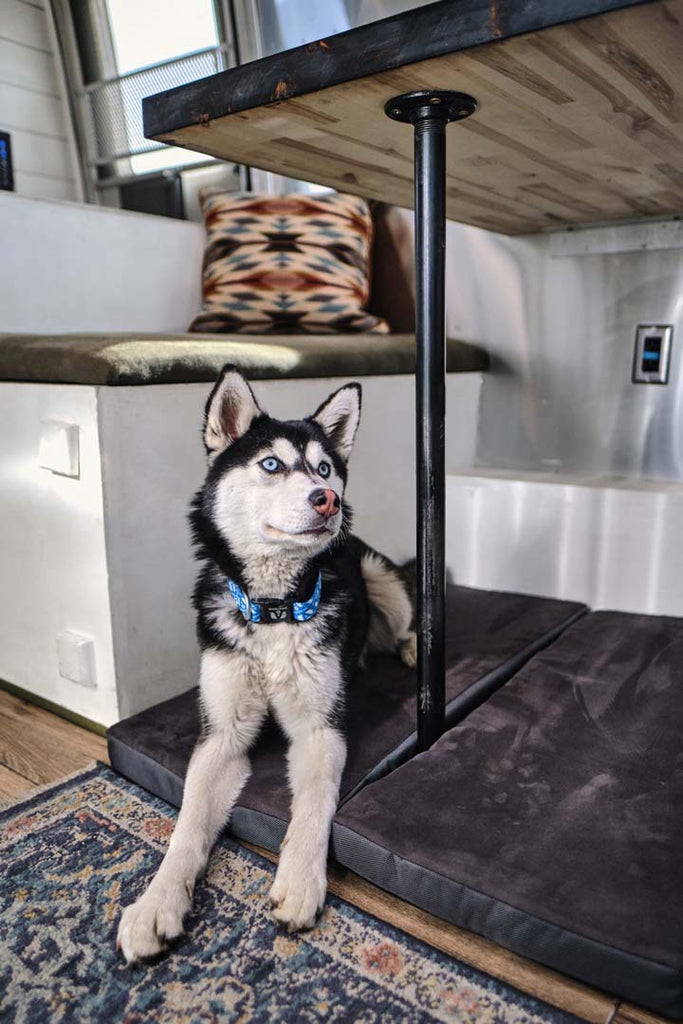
pixel 154 920
pixel 407 648
pixel 298 895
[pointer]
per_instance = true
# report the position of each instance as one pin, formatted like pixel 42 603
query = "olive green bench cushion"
pixel 133 359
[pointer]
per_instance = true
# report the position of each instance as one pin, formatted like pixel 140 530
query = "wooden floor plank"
pixel 12 785
pixel 42 747
pixel 628 1014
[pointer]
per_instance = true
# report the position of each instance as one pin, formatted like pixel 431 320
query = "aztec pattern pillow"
pixel 296 264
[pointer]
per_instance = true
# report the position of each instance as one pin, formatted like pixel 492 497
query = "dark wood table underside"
pixel 579 119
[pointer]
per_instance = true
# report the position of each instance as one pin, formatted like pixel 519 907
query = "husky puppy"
pixel 287 602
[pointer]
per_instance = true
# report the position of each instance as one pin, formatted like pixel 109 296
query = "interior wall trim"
pixel 642 236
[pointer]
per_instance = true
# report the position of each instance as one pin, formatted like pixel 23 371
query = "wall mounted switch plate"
pixel 652 354
pixel 59 448
pixel 76 657
pixel 6 170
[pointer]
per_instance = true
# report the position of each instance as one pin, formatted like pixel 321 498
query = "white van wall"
pixel 33 108
pixel 578 486
pixel 78 267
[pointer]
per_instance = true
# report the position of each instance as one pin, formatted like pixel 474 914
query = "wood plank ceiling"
pixel 579 123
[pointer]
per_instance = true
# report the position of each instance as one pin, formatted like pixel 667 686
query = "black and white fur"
pixel 264 531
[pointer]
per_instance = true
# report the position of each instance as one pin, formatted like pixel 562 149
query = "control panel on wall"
pixel 6 174
pixel 652 354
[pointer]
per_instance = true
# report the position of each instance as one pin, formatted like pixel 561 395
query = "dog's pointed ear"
pixel 229 412
pixel 339 416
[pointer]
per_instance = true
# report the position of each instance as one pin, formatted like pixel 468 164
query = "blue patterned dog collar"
pixel 271 610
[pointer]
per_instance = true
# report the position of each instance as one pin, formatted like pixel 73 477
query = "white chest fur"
pixel 293 665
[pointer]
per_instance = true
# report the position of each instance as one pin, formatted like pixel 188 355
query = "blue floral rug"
pixel 71 854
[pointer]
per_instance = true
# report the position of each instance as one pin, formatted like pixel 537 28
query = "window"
pixel 116 52
pixel 150 33
pixel 124 50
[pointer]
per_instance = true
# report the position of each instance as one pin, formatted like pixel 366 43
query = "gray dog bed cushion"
pixel 489 636
pixel 551 819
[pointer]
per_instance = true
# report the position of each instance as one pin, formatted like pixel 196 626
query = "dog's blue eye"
pixel 271 464
pixel 324 469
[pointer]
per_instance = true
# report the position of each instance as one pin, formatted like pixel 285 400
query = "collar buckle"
pixel 273 610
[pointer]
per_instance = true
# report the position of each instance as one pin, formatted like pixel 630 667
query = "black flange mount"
pixel 416 106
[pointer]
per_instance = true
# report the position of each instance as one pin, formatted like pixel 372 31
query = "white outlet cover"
pixel 76 657
pixel 59 448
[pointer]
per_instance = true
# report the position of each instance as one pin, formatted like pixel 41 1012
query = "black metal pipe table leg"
pixel 429 113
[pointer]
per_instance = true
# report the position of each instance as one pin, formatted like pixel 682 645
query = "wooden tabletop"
pixel 579 117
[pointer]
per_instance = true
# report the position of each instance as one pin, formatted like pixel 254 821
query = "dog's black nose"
pixel 325 502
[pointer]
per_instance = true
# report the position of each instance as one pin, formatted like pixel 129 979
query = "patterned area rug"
pixel 73 852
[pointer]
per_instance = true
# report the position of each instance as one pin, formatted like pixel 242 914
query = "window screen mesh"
pixel 115 106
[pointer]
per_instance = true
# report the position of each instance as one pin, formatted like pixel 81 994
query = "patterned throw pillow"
pixel 296 264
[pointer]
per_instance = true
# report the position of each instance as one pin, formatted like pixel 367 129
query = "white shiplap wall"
pixel 32 104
